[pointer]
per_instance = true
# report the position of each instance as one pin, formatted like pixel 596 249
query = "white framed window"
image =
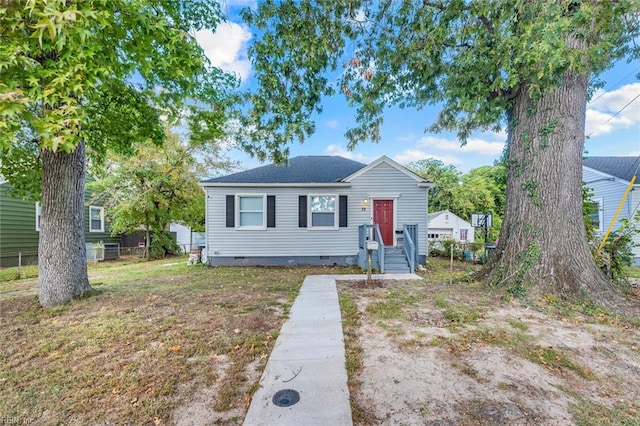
pixel 251 210
pixel 96 219
pixel 322 211
pixel 463 235
pixel 597 215
pixel 38 212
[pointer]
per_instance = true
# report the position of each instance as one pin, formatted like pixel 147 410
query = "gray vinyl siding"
pixel 288 239
pixel 411 204
pixel 611 193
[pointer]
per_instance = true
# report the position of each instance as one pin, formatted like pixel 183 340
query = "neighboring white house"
pixel 446 225
pixel 609 178
pixel 183 236
pixel 313 211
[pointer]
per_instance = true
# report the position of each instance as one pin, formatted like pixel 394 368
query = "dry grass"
pixel 121 356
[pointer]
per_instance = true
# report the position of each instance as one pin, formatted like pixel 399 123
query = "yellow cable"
pixel 615 217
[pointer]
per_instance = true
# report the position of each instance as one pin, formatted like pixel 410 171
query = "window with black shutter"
pixel 302 211
pixel 231 211
pixel 343 211
pixel 271 211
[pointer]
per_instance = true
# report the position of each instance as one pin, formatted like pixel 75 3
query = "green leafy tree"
pixel 525 66
pixel 483 191
pixel 81 77
pixel 446 179
pixel 480 190
pixel 617 253
pixel 155 187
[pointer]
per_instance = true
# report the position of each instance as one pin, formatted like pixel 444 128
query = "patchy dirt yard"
pixel 431 353
pixel 167 344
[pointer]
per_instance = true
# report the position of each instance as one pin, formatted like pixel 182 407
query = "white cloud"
pixel 407 138
pixel 343 152
pixel 605 105
pixel 473 145
pixel 253 4
pixel 410 155
pixel 332 124
pixel 227 48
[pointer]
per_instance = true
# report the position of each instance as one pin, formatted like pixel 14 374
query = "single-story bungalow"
pixel 318 210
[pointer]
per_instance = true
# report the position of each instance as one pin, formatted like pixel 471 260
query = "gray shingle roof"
pixel 303 169
pixel 621 167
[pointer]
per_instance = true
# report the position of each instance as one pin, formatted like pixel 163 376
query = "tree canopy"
pixel 155 187
pixel 83 77
pixel 472 58
pixel 481 190
pixel 103 72
pixel 525 67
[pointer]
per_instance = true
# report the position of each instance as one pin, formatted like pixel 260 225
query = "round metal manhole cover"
pixel 286 397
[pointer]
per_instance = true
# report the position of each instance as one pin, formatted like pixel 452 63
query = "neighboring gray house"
pixel 318 210
pixel 609 178
pixel 444 225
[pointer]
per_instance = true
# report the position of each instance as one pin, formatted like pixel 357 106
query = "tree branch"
pixel 487 24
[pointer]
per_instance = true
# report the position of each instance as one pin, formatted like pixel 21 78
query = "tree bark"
pixel 543 245
pixel 62 257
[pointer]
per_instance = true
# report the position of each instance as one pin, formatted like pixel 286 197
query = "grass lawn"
pixel 156 335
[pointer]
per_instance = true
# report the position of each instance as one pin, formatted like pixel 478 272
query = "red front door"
pixel 383 216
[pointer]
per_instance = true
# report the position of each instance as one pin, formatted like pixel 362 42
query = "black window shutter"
pixel 271 211
pixel 342 207
pixel 231 211
pixel 302 211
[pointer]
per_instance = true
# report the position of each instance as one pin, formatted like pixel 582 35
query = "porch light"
pixel 365 202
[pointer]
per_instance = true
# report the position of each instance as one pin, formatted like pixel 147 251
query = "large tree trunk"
pixel 62 257
pixel 543 244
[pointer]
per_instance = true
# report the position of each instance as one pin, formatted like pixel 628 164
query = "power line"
pixel 619 111
pixel 604 92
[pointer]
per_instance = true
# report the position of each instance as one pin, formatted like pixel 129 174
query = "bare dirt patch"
pixel 434 354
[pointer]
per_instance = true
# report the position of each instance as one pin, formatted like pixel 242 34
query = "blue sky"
pixel 403 132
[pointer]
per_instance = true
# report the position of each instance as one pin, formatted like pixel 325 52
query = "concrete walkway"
pixel 308 358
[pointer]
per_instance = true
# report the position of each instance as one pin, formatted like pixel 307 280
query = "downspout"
pixel 426 231
pixel 206 221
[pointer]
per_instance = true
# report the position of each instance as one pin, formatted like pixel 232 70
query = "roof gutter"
pixel 275 185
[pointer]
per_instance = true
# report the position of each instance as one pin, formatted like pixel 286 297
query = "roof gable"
pixel 623 168
pixel 302 169
pixel 436 214
pixel 442 214
pixel 386 160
